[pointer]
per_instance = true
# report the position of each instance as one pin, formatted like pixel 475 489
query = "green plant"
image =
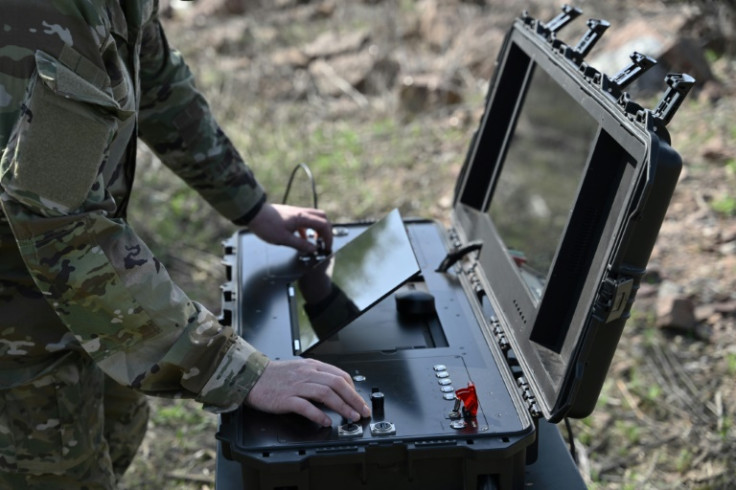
pixel 731 164
pixel 725 205
pixel 711 55
pixel 726 424
pixel 684 460
pixel 731 363
pixel 183 413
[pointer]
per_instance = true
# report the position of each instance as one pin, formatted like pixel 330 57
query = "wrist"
pixel 245 219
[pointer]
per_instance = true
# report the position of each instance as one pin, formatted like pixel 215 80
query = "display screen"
pixel 337 290
pixel 537 188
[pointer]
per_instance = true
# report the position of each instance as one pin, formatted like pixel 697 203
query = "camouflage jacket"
pixel 79 80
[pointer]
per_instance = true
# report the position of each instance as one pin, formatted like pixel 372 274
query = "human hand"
pixel 279 224
pixel 293 386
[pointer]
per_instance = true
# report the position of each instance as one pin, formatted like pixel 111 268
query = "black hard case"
pixel 529 359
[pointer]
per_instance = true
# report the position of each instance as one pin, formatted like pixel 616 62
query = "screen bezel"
pixel 549 335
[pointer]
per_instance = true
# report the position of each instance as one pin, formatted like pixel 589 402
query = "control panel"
pixel 431 380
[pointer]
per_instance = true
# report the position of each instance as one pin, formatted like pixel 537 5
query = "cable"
pixel 306 169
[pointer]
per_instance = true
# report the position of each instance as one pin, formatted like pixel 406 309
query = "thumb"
pixel 298 241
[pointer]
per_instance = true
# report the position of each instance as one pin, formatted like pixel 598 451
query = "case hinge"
pixel 528 396
pixel 512 362
pixel 500 336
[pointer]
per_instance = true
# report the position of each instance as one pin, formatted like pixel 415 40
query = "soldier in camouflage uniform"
pixel 89 319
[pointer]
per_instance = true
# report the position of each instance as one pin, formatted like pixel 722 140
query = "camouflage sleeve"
pixel 176 122
pixel 100 278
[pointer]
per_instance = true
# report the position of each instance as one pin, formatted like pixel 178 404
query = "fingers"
pixel 332 387
pixel 295 386
pixel 306 409
pixel 336 391
pixel 311 393
pixel 278 224
pixel 298 219
pixel 317 220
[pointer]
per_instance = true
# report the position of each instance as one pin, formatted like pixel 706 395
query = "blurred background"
pixel 380 98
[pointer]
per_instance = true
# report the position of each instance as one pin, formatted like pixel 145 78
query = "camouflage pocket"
pixel 54 422
pixel 63 136
pixel 59 152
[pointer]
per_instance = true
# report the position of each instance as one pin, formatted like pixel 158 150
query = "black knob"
pixel 377 403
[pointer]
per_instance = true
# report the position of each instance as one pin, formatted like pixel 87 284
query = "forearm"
pixel 121 305
pixel 177 124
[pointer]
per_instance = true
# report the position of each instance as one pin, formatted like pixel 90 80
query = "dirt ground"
pixel 665 418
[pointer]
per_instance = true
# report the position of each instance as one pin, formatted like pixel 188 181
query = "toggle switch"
pixel 469 399
pixel 455 412
pixel 377 403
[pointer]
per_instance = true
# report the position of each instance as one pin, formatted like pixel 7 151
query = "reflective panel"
pixel 541 174
pixel 337 290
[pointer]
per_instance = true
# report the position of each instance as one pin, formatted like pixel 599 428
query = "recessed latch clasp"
pixel 614 297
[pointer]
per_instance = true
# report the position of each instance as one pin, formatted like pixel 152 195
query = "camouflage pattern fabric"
pixel 80 80
pixel 126 418
pixel 72 427
pixel 54 433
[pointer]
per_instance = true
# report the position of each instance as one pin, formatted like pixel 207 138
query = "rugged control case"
pixel 514 312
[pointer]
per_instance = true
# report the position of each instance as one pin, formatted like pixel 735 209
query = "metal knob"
pixel 377 399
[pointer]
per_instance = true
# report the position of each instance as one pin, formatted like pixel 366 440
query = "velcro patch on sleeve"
pixel 60 148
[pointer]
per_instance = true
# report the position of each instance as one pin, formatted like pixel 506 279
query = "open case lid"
pixel 565 184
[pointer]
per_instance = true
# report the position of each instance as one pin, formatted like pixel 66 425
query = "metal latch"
pixel 596 28
pixel 614 298
pixel 640 63
pixel 679 86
